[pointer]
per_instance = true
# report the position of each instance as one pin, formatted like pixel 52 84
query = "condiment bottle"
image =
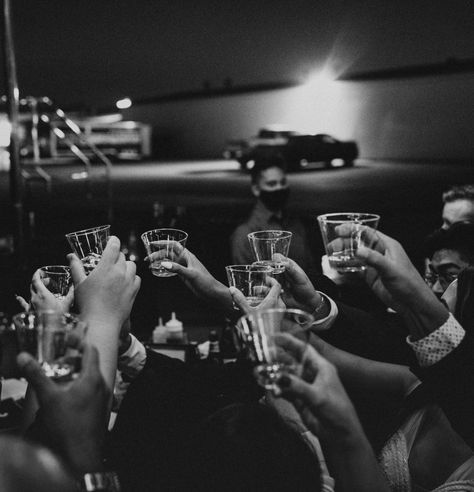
pixel 174 329
pixel 160 333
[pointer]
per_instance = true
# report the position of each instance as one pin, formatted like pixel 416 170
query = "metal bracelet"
pixel 320 307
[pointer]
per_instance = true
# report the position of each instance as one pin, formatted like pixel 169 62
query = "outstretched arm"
pixel 395 280
pixel 105 299
pixel 365 375
pixel 328 412
pixel 198 279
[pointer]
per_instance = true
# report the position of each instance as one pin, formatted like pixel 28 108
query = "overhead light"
pixel 124 103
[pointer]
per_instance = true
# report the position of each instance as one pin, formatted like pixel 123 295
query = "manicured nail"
pixel 167 264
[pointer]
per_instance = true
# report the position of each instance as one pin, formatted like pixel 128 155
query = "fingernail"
pixel 233 290
pixel 167 264
pixel 284 381
pixel 276 391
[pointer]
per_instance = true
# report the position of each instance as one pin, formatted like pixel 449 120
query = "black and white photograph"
pixel 237 246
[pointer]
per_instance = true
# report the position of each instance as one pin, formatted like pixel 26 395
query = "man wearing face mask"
pixel 270 188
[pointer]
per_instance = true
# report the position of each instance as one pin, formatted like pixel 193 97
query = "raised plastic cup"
pixel 265 244
pixel 89 244
pixel 164 245
pixel 47 335
pixel 343 233
pixel 251 280
pixel 260 335
pixel 57 279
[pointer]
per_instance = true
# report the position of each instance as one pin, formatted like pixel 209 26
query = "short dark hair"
pixel 264 162
pixel 459 237
pixel 462 192
pixel 249 447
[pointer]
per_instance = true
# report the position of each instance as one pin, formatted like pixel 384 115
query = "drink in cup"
pixel 343 234
pixel 163 245
pixel 57 279
pixel 89 244
pixel 251 280
pixel 265 244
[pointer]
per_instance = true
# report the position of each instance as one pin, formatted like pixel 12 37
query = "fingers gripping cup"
pixel 251 280
pixel 343 234
pixel 51 336
pixel 164 245
pixel 261 336
pixel 89 244
pixel 265 244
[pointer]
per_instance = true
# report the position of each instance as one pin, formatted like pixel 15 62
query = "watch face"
pixel 100 481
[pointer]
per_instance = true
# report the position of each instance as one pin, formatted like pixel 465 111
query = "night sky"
pixel 93 52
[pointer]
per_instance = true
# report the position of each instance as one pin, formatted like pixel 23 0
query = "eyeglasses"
pixel 444 278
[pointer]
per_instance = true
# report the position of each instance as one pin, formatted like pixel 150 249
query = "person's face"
pixel 445 266
pixel 457 211
pixel 271 179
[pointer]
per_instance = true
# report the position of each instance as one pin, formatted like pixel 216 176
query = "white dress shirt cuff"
pixel 131 362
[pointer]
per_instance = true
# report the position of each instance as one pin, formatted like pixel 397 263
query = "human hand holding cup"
pixel 57 279
pixel 52 337
pixel 251 280
pixel 164 245
pixel 52 289
pixel 318 393
pixel 343 234
pixel 266 244
pixel 261 335
pixel 89 244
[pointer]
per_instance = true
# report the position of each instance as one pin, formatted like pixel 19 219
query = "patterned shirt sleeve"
pixel 438 344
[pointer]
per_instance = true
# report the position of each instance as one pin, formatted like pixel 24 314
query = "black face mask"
pixel 275 200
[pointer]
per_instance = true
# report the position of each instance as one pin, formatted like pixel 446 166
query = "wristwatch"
pixel 100 481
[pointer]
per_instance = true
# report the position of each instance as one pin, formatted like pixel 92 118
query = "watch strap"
pixel 100 481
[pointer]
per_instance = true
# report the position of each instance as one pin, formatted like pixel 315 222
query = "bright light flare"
pixel 124 103
pixel 321 81
pixel 322 104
